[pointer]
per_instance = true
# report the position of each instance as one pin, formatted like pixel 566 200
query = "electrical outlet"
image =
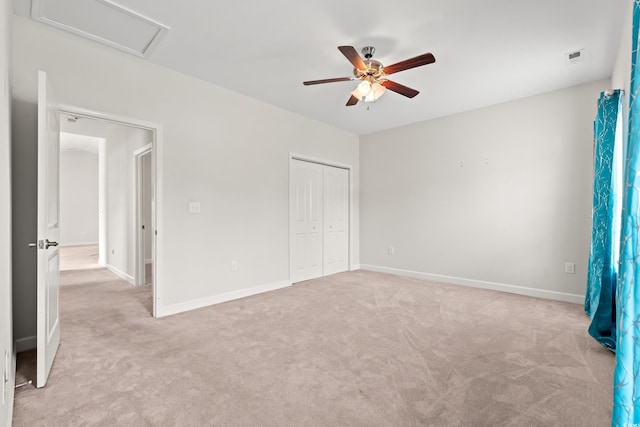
pixel 234 265
pixel 194 207
pixel 392 250
pixel 569 268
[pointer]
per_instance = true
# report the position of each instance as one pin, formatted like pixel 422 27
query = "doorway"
pixel 144 208
pixel 48 243
pixel 125 195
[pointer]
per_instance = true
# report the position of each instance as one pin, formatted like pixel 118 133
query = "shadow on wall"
pixel 24 188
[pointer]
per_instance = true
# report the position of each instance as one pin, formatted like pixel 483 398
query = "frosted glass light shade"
pixel 376 92
pixel 364 88
pixel 373 92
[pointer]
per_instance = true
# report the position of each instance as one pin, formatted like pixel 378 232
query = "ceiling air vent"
pixel 102 21
pixel 574 57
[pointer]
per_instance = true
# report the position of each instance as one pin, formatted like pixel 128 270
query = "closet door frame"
pixel 301 157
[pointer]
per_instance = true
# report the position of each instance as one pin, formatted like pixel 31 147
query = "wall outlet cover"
pixel 194 207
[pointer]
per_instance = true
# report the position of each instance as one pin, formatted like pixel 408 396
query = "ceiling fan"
pixel 373 75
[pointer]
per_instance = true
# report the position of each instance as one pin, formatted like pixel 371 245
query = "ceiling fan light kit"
pixel 373 75
pixel 368 92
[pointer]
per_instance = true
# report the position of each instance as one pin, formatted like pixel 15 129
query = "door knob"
pixel 47 244
pixel 43 244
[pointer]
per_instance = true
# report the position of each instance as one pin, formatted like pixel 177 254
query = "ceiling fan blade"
pixel 418 61
pixel 398 88
pixel 352 55
pixel 352 101
pixel 337 79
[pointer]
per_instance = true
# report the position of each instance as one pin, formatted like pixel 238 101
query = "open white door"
pixel 48 229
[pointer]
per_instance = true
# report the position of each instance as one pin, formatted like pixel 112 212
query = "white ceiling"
pixel 73 142
pixel 486 52
pixel 84 134
pixel 79 125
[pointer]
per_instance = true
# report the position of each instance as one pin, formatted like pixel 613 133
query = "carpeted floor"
pixel 83 257
pixel 79 266
pixel 352 349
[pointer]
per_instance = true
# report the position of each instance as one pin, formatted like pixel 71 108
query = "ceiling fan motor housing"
pixel 374 70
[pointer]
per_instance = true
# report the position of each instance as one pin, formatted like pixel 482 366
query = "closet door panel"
pixel 336 220
pixel 306 214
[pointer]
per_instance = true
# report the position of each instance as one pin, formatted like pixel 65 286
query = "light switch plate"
pixel 569 268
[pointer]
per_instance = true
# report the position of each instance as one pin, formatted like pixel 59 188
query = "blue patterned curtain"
pixel 626 393
pixel 601 283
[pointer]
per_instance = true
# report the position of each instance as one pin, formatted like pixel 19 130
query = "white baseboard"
pixel 79 244
pixel 502 287
pixel 354 267
pixel 120 274
pixel 217 299
pixel 28 343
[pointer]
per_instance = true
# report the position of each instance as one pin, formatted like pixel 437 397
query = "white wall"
pixel 620 78
pixel 78 198
pixel 120 197
pixel 498 197
pixel 7 370
pixel 227 151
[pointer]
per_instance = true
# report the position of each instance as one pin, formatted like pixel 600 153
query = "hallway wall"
pixel 78 198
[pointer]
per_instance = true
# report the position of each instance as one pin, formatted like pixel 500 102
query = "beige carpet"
pixel 79 257
pixel 353 349
pixel 79 266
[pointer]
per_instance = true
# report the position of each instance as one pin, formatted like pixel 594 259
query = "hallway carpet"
pixel 352 349
pixel 84 257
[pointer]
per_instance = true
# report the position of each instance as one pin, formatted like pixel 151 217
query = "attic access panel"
pixel 102 21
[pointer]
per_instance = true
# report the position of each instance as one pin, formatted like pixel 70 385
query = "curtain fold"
pixel 601 280
pixel 626 394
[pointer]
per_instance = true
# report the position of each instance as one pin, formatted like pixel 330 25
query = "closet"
pixel 319 220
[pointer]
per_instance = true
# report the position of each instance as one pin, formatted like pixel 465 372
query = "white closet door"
pixel 336 220
pixel 306 215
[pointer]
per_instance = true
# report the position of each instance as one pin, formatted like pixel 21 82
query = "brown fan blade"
pixel 352 101
pixel 337 79
pixel 352 55
pixel 418 61
pixel 401 89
